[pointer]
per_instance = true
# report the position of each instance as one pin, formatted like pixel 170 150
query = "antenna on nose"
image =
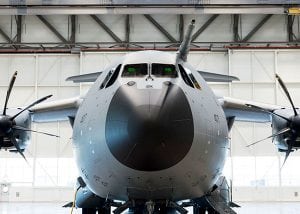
pixel 185 45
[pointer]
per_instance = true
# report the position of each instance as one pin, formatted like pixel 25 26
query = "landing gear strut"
pixel 150 207
pixel 88 211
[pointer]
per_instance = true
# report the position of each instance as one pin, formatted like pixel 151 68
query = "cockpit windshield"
pixel 135 70
pixel 163 70
pixel 157 70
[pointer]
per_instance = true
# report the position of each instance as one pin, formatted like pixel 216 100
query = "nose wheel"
pixel 89 211
pixel 96 211
pixel 150 207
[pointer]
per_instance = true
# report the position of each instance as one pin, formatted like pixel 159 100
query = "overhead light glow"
pixel 294 11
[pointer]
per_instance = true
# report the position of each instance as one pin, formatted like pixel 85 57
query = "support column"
pixel 73 30
pixel 19 30
pixel 290 23
pixel 236 22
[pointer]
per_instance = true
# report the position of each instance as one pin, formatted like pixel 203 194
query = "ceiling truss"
pixel 16 44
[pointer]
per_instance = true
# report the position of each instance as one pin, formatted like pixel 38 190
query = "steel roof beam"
pixel 145 3
pixel 257 27
pixel 84 10
pixel 204 26
pixel 53 30
pixel 106 28
pixel 5 36
pixel 160 28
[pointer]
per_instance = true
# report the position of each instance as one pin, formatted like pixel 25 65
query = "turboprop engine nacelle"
pixel 286 130
pixel 10 131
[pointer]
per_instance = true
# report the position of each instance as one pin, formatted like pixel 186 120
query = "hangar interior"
pixel 47 44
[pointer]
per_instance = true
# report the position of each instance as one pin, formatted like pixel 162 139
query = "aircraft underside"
pixel 204 205
pixel 199 206
pixel 217 201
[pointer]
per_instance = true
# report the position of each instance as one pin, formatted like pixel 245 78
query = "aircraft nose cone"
pixel 148 129
pixel 146 125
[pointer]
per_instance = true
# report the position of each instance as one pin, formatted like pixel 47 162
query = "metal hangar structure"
pixel 74 25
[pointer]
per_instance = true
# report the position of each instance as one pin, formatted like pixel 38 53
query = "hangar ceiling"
pixel 73 26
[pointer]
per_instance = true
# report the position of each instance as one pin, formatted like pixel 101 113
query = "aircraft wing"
pixel 91 77
pixel 213 77
pixel 60 110
pixel 247 111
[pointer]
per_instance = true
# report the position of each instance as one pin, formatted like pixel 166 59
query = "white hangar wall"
pixel 255 171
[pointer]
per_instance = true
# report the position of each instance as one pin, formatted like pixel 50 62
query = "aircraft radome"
pixel 150 133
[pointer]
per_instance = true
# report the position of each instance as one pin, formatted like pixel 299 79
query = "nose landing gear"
pixel 151 207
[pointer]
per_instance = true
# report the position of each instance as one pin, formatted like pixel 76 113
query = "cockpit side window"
pixel 163 70
pixel 106 79
pixel 110 78
pixel 196 84
pixel 185 77
pixel 135 70
pixel 114 77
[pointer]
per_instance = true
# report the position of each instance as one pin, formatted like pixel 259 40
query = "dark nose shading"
pixel 149 129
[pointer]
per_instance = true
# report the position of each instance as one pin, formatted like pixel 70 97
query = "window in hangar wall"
pixel 263 171
pixel 248 171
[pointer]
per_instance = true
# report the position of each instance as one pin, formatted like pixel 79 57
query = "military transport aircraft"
pixel 150 134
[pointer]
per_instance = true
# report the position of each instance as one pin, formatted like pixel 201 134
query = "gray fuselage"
pixel 150 137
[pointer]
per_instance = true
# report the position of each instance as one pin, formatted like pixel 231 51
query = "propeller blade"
pixel 31 105
pixel 14 141
pixel 282 131
pixel 29 130
pixel 264 110
pixel 290 148
pixel 286 92
pixel 11 85
pixel 287 154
